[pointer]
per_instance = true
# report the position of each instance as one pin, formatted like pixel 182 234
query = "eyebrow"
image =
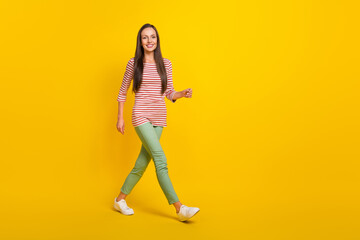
pixel 148 35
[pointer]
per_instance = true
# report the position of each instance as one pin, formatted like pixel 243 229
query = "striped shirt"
pixel 149 102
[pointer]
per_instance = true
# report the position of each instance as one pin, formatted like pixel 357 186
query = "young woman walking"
pixel 152 75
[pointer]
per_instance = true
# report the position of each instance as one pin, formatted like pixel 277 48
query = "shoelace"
pixel 185 209
pixel 126 207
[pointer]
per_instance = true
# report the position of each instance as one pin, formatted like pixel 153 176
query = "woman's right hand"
pixel 121 125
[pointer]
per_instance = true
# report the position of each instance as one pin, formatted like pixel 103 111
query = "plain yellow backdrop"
pixel 267 147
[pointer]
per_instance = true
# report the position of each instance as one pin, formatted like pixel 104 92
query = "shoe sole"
pixel 191 216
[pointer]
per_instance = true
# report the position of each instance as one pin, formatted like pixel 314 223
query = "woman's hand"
pixel 187 93
pixel 121 125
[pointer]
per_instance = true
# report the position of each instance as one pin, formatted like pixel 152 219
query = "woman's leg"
pixel 138 170
pixel 148 136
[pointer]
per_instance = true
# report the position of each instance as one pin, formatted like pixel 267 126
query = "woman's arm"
pixel 178 95
pixel 185 93
pixel 121 110
pixel 128 76
pixel 170 92
pixel 121 98
pixel 120 125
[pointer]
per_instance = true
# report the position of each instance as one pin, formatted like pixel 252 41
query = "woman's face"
pixel 148 39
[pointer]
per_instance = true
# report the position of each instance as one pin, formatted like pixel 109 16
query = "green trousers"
pixel 151 149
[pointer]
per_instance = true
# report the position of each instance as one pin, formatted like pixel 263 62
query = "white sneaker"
pixel 186 212
pixel 122 207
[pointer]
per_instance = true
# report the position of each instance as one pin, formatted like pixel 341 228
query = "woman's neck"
pixel 149 57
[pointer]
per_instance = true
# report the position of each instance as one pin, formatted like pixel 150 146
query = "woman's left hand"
pixel 187 93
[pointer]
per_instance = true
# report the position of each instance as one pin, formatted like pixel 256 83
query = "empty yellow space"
pixel 267 147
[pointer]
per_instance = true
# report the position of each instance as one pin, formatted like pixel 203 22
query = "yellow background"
pixel 267 147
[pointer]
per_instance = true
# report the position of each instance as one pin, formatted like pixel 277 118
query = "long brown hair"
pixel 139 61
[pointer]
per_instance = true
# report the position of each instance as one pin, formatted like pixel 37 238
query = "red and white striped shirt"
pixel 149 102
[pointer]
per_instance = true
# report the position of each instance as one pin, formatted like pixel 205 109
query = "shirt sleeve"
pixel 170 91
pixel 128 76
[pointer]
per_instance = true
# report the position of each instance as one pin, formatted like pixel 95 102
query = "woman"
pixel 152 76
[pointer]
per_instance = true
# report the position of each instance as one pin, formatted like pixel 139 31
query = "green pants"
pixel 151 149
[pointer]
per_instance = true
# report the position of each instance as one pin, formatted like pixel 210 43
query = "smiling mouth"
pixel 150 45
